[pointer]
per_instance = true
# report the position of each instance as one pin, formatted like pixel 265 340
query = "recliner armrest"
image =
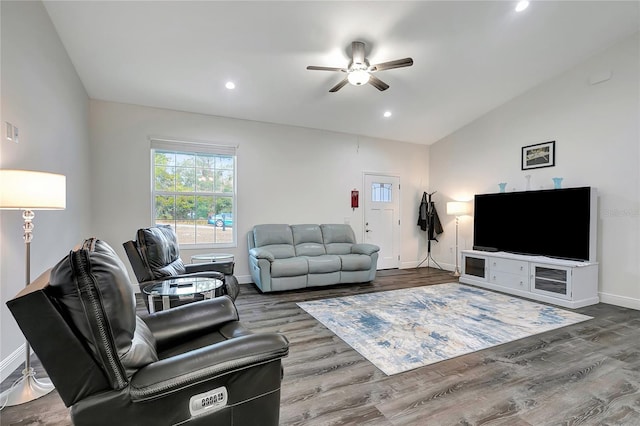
pixel 260 253
pixel 174 373
pixel 184 322
pixel 364 248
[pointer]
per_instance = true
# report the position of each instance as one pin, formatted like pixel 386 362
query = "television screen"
pixel 555 222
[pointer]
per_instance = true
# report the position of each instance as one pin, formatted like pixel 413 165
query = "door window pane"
pixel 381 192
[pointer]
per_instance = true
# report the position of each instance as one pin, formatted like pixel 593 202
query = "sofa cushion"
pixel 323 264
pixel 272 234
pixel 355 262
pixel 308 240
pixel 92 285
pixel 338 238
pixel 289 267
pixel 159 249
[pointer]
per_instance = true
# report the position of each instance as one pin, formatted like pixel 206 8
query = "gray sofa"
pixel 287 257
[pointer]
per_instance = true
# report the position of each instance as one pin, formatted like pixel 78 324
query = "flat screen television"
pixel 558 223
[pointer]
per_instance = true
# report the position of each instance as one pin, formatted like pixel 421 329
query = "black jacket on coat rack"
pixel 428 219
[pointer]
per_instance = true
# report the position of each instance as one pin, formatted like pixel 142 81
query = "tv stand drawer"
pixel 506 279
pixel 508 265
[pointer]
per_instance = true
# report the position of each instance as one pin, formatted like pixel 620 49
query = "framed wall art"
pixel 539 155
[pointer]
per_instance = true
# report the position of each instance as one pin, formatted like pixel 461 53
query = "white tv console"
pixel 567 283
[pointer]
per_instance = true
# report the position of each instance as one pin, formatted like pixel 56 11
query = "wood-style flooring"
pixel 584 374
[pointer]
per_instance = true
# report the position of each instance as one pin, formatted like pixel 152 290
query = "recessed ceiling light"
pixel 387 114
pixel 522 5
pixel 230 85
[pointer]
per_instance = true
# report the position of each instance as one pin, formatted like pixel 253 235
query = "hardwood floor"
pixel 587 374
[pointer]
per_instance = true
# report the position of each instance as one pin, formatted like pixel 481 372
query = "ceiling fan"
pixel 359 71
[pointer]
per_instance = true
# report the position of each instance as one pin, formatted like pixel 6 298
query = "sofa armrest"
pixel 175 373
pixel 364 248
pixel 184 322
pixel 260 253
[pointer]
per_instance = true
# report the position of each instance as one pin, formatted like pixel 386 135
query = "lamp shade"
pixel 29 190
pixel 458 208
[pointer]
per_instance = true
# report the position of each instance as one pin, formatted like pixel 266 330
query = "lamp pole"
pixel 27 388
pixel 457 209
pixel 456 272
pixel 29 190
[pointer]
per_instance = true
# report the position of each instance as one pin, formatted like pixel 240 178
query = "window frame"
pixel 191 148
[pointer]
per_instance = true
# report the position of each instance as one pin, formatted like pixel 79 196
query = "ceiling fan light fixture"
pixel 358 77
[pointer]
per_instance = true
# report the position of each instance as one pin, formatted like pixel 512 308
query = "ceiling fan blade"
pixel 398 63
pixel 357 52
pixel 377 83
pixel 339 85
pixel 315 68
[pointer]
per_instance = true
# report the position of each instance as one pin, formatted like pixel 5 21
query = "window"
pixel 194 191
pixel 381 192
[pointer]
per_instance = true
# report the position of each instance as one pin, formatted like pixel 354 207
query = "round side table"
pixel 182 287
pixel 211 257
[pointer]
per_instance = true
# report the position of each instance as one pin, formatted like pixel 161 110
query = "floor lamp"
pixel 457 209
pixel 28 191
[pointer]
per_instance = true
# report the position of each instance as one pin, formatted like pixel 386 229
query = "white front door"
pixel 382 217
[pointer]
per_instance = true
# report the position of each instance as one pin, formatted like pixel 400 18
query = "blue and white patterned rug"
pixel 404 329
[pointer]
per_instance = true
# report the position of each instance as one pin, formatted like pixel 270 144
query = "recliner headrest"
pixel 92 287
pixel 158 246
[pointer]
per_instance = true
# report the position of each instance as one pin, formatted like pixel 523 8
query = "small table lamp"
pixel 27 191
pixel 457 209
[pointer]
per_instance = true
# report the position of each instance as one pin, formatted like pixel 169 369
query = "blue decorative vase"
pixel 557 182
pixel 502 186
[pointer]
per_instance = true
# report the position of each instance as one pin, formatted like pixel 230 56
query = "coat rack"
pixel 429 221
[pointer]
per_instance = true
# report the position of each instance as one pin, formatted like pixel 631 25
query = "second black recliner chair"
pixel 155 256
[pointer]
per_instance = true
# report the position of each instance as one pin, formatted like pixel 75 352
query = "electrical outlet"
pixel 15 134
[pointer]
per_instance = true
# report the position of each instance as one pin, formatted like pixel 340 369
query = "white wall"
pixel 597 144
pixel 285 174
pixel 43 96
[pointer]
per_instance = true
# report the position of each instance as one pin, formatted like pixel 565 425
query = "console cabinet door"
pixel 474 266
pixel 551 280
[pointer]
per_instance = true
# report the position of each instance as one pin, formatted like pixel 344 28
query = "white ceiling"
pixel 469 57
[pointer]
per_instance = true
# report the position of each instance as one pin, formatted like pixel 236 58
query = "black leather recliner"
pixel 155 256
pixel 194 364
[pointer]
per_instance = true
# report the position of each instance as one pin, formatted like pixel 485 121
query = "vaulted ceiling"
pixel 469 57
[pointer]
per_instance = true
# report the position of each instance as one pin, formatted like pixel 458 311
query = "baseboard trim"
pixel 244 279
pixel 12 362
pixel 623 301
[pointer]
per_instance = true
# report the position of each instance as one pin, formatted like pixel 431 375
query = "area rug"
pixel 400 330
